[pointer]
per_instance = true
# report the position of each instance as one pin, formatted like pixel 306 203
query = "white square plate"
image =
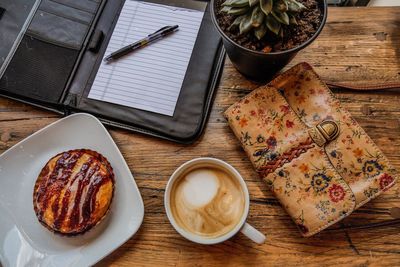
pixel 23 240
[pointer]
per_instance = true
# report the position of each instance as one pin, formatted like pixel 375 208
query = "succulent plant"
pixel 262 15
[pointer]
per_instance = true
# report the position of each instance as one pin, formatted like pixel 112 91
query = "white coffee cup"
pixel 241 226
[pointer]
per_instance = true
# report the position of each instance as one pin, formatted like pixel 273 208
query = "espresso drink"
pixel 207 201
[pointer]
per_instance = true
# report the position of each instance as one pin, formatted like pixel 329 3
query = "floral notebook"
pixel 315 157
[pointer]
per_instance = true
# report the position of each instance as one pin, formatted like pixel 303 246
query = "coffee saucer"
pixel 23 240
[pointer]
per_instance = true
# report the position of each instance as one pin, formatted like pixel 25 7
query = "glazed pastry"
pixel 74 191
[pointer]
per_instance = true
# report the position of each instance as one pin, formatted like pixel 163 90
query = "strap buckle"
pixel 324 132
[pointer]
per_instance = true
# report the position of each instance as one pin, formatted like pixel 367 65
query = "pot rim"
pixel 292 50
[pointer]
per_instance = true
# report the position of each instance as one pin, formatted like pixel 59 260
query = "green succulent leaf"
pixel 253 2
pixel 281 17
pixel 281 33
pixel 281 6
pixel 292 20
pixel 294 6
pixel 273 25
pixel 227 3
pixel 236 22
pixel 226 9
pixel 261 31
pixel 266 6
pixel 236 3
pixel 236 11
pixel 245 25
pixel 257 17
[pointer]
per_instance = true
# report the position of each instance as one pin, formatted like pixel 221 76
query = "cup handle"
pixel 252 233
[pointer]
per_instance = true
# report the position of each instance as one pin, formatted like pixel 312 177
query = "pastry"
pixel 74 191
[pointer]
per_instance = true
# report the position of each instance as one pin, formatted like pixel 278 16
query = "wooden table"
pixel 358 45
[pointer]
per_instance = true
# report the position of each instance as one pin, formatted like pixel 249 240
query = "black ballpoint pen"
pixel 139 44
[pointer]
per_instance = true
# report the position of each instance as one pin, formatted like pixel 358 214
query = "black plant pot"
pixel 261 66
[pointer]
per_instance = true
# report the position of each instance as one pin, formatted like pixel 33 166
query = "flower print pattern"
pixel 243 122
pixel 264 155
pixel 336 193
pixel 304 168
pixel 358 152
pixel 284 109
pixel 260 139
pixel 371 168
pixel 320 182
pixel 299 184
pixel 371 192
pixel 245 138
pixel 325 207
pixel 385 181
pixel 289 124
pixel 271 142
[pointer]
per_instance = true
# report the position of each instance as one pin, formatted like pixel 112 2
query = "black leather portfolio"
pixel 51 51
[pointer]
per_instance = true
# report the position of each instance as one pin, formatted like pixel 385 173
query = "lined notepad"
pixel 150 78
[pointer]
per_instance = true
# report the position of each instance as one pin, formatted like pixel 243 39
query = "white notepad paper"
pixel 149 78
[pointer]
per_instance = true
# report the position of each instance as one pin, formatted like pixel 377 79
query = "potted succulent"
pixel 262 36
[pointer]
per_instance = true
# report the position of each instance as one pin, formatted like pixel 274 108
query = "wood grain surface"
pixel 358 46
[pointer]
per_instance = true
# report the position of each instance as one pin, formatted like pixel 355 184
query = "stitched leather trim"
pixel 286 157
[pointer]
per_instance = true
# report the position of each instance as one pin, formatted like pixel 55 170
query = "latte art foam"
pixel 207 202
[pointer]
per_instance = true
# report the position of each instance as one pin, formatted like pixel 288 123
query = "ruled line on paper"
pixel 149 78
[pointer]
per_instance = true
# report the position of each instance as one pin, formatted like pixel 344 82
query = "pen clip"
pixel 162 29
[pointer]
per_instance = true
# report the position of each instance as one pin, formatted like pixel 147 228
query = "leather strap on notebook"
pixel 395 222
pixel 365 87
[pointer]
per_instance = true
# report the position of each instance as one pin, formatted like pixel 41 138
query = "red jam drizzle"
pixel 63 180
pixel 65 201
pixel 76 213
pixel 90 201
pixel 46 189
